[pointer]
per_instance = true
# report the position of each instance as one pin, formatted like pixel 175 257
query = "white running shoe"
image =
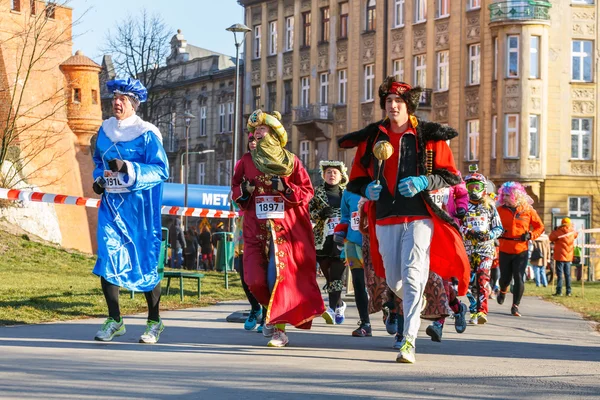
pixel 279 339
pixel 339 314
pixel 110 329
pixel 152 333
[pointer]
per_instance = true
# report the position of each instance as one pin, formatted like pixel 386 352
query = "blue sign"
pixel 199 196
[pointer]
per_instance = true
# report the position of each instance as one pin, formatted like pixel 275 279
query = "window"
pixel 228 172
pixel 512 59
pixel 271 96
pixel 581 138
pixel 76 95
pixel 324 88
pixel 474 63
pixel 201 173
pixel 420 71
pixel 369 81
pixel 287 97
pixel 371 15
pixel 221 118
pixel 473 140
pixel 495 58
pixel 342 85
pixel 443 9
pixel 580 206
pixel 398 69
pixel 420 10
pixel 256 48
pixel 534 136
pixel 304 152
pixel 534 57
pixel 472 4
pixel 289 33
pixel 32 6
pixel 220 169
pixel 494 135
pixel 230 113
pixel 15 5
pixel 306 30
pixel 325 24
pixel 443 77
pixel 203 121
pixel 582 1
pixel 50 10
pixel 581 56
pixel 94 96
pixel 343 20
pixel 256 96
pixel 304 91
pixel 398 13
pixel 511 137
pixel 272 38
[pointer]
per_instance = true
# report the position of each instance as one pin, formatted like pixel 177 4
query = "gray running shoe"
pixel 152 333
pixel 268 330
pixel 435 331
pixel 110 329
pixel 460 319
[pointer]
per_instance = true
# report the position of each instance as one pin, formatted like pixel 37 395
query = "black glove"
pixel 97 188
pixel 526 236
pixel 247 189
pixel 478 236
pixel 460 213
pixel 277 183
pixel 117 165
pixel 327 212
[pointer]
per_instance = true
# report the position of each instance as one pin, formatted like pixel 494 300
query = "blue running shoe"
pixel 339 316
pixel 391 323
pixel 252 319
pixel 260 328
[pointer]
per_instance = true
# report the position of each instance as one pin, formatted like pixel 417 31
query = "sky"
pixel 202 22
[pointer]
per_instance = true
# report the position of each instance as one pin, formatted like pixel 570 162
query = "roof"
pixel 80 60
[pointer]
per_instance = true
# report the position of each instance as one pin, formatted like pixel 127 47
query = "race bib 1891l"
pixel 115 182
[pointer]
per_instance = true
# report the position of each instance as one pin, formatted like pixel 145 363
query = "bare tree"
pixel 32 117
pixel 139 47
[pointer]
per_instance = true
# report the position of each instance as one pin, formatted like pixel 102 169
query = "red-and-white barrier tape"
pixel 23 195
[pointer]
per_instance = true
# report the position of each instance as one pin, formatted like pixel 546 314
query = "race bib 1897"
pixel 270 207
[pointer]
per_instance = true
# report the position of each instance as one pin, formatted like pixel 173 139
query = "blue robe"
pixel 129 218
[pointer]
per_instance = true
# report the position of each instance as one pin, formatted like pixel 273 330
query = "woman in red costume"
pixel 273 188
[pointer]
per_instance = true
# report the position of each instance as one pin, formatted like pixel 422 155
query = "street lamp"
pixel 235 29
pixel 188 116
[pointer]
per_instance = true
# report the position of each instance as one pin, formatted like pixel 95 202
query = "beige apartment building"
pixel 517 79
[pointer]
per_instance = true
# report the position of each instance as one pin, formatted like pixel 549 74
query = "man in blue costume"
pixel 131 166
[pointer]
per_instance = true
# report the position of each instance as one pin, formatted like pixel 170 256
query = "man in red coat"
pixel 273 189
pixel 404 221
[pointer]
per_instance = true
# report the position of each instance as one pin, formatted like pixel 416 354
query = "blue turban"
pixel 129 87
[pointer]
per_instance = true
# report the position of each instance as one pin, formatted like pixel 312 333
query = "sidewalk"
pixel 549 353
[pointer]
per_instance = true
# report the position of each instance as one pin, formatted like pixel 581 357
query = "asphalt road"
pixel 549 353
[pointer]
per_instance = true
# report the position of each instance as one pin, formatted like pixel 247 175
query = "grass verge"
pixel 41 283
pixel 585 301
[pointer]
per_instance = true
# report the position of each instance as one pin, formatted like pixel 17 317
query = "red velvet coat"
pixel 296 298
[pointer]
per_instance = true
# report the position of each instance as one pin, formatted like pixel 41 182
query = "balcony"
pixel 313 113
pixel 519 10
pixel 425 100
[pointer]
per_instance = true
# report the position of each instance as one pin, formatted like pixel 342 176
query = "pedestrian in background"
pixel 540 255
pixel 563 238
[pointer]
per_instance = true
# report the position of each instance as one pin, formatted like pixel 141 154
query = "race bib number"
pixel 114 183
pixel 478 223
pixel 355 221
pixel 270 207
pixel 330 225
pixel 440 197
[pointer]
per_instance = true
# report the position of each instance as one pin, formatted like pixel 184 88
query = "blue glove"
pixel 339 237
pixel 412 185
pixel 373 190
